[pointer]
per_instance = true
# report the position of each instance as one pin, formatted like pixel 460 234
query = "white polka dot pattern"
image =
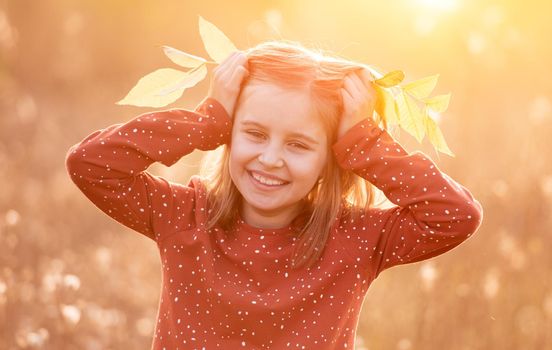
pixel 433 213
pixel 236 290
pixel 109 166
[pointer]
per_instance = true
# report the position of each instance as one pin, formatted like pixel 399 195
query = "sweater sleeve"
pixel 432 214
pixel 109 166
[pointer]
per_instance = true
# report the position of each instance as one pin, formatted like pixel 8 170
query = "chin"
pixel 260 205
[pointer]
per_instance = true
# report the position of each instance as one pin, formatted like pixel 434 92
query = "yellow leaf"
pixel 385 106
pixel 421 88
pixel 182 58
pixel 390 79
pixel 192 77
pixel 437 103
pixel 411 118
pixel 146 93
pixel 436 137
pixel 216 43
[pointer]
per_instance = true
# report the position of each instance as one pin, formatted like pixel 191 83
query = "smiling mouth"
pixel 265 182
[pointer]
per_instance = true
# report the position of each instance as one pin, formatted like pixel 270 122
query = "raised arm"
pixel 109 166
pixel 433 213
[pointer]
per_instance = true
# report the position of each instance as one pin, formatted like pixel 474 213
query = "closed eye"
pixel 259 135
pixel 299 145
pixel 254 133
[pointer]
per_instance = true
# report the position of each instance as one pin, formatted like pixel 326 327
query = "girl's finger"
pixel 230 58
pixel 357 80
pixel 367 75
pixel 239 73
pixel 360 87
pixel 368 80
pixel 351 85
pixel 347 98
pixel 225 62
pixel 229 67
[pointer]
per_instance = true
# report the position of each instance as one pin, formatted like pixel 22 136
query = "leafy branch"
pixel 406 105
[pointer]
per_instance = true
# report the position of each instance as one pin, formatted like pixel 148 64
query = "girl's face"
pixel 277 153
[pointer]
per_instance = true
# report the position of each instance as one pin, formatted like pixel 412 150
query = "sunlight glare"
pixel 441 5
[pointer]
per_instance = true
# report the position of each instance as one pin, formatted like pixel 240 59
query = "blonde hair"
pixel 290 65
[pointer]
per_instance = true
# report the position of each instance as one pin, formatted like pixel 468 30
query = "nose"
pixel 270 157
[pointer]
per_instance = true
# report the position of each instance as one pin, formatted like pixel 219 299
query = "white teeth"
pixel 266 181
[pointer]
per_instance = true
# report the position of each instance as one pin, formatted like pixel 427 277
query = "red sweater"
pixel 234 291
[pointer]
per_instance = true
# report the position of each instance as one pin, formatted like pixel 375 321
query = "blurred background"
pixel 72 278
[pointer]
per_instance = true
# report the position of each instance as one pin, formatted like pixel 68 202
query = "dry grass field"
pixel 72 278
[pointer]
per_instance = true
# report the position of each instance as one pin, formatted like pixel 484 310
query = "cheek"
pixel 308 168
pixel 242 152
pixel 234 166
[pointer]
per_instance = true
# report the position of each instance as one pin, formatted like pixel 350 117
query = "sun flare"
pixel 439 5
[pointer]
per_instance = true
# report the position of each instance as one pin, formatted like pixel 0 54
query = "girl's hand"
pixel 359 100
pixel 226 81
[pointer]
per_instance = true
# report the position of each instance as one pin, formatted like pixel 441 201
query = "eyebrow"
pixel 295 134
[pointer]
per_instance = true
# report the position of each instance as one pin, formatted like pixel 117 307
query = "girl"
pixel 274 246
